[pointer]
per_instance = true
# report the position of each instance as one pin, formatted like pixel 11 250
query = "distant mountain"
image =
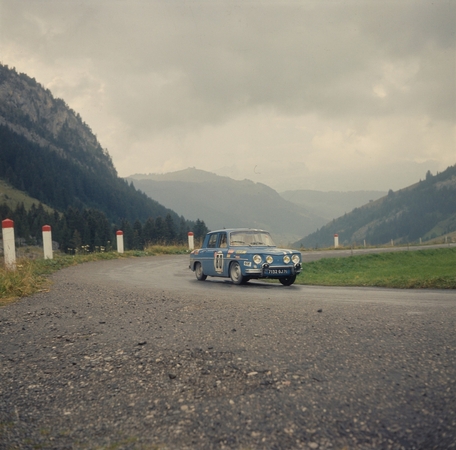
pixel 47 152
pixel 191 175
pixel 224 202
pixel 424 211
pixel 332 204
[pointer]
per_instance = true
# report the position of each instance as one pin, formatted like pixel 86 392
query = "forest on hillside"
pixel 90 230
pixel 424 210
pixel 27 104
pixel 50 154
pixel 60 183
pixel 89 207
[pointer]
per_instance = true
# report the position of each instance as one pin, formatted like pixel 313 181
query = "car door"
pixel 208 259
pixel 220 266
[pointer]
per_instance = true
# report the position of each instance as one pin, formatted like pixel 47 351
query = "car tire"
pixel 236 273
pixel 199 272
pixel 288 281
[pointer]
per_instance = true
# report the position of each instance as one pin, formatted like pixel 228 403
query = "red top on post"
pixel 119 233
pixel 46 228
pixel 190 233
pixel 7 223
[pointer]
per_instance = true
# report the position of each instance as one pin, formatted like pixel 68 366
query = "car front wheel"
pixel 288 281
pixel 199 272
pixel 236 273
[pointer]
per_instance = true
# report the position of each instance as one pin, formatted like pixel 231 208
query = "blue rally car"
pixel 244 254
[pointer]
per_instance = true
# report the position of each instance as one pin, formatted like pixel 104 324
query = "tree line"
pixel 60 181
pixel 90 230
pixel 426 209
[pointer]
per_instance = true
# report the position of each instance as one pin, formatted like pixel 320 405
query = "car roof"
pixel 229 230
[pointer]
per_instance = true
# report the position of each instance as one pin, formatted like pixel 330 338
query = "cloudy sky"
pixel 309 94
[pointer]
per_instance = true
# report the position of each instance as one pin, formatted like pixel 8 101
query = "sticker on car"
pixel 218 262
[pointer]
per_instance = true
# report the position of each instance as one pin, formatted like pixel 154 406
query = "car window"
pixel 251 238
pixel 222 243
pixel 213 241
pixel 237 239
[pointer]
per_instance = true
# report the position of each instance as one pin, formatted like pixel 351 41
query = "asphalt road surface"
pixel 136 353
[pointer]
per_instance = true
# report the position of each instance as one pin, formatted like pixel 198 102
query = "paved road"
pixel 138 354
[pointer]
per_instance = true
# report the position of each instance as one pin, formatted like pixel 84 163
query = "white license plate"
pixel 277 272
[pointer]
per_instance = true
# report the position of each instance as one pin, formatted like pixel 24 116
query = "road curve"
pixel 136 353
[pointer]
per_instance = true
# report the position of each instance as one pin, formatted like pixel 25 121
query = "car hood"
pixel 265 249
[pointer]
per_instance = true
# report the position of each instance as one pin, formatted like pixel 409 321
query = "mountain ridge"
pixel 421 211
pixel 331 204
pixel 225 202
pixel 30 110
pixel 50 154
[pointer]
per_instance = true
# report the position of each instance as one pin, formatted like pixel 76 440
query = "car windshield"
pixel 238 238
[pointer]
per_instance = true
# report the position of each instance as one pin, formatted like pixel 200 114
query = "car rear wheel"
pixel 288 281
pixel 236 274
pixel 199 272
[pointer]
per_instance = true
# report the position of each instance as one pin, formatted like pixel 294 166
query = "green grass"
pixel 32 275
pixel 433 268
pixel 12 197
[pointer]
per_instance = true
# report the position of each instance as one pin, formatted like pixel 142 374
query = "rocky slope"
pixel 48 152
pixel 31 111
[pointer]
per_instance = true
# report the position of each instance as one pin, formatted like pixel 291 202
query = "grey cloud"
pixel 158 68
pixel 222 57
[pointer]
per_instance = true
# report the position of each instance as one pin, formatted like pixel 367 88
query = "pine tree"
pixel 138 243
pixel 149 236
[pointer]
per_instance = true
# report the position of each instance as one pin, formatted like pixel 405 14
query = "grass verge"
pixel 32 275
pixel 432 268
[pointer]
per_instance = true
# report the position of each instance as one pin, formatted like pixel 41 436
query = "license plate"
pixel 277 272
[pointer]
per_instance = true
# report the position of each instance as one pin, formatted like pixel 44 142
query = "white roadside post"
pixel 120 241
pixel 9 249
pixel 47 242
pixel 336 240
pixel 191 242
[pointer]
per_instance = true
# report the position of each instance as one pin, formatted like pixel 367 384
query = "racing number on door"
pixel 218 262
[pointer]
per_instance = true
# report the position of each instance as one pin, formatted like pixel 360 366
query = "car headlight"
pixel 296 259
pixel 257 259
pixel 286 259
pixel 269 259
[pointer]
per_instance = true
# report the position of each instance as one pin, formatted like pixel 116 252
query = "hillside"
pixel 11 197
pixel 224 202
pixel 51 154
pixel 332 204
pixel 424 211
pixel 48 153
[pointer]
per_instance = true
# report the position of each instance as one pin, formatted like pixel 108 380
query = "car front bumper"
pixel 267 271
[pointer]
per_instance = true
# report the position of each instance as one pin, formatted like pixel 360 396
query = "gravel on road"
pixel 101 365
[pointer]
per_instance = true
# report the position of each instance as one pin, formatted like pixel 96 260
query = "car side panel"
pixel 205 256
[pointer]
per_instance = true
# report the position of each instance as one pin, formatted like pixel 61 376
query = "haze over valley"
pixel 225 203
